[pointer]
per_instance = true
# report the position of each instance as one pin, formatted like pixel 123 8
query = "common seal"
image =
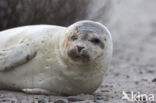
pixel 49 59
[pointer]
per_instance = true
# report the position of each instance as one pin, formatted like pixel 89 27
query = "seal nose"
pixel 79 48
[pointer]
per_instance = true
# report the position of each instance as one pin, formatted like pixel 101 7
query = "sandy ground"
pixel 133 68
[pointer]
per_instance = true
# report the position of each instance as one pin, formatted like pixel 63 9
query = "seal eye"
pixel 74 37
pixel 95 41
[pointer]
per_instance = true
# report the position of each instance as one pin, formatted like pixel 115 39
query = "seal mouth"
pixel 82 56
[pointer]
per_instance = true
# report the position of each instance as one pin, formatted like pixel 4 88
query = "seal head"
pixel 85 41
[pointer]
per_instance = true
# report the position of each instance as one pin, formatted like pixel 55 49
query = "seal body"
pixel 41 59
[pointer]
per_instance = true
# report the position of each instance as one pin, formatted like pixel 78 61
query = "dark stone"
pixel 154 80
pixel 42 101
pixel 75 98
pixel 61 101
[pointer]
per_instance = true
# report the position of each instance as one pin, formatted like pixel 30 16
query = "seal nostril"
pixel 79 48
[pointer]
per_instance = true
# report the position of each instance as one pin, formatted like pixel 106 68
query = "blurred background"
pixel 132 24
pixel 15 13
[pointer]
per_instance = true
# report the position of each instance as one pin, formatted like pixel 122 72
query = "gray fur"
pixel 92 27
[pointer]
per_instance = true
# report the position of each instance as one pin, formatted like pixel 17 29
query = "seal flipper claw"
pixel 15 56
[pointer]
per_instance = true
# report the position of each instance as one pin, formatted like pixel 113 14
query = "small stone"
pixel 117 74
pixel 61 101
pixel 98 101
pixel 150 71
pixel 75 98
pixel 2 96
pixel 104 90
pixel 13 102
pixel 136 82
pixel 127 76
pixel 154 80
pixel 141 72
pixel 145 80
pixel 42 101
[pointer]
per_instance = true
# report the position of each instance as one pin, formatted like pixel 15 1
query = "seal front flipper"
pixel 37 91
pixel 15 56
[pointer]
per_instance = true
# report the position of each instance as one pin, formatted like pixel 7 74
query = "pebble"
pixel 98 101
pixel 104 90
pixel 75 98
pixel 42 101
pixel 61 101
pixel 154 80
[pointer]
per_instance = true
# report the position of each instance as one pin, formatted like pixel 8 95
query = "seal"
pixel 49 59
